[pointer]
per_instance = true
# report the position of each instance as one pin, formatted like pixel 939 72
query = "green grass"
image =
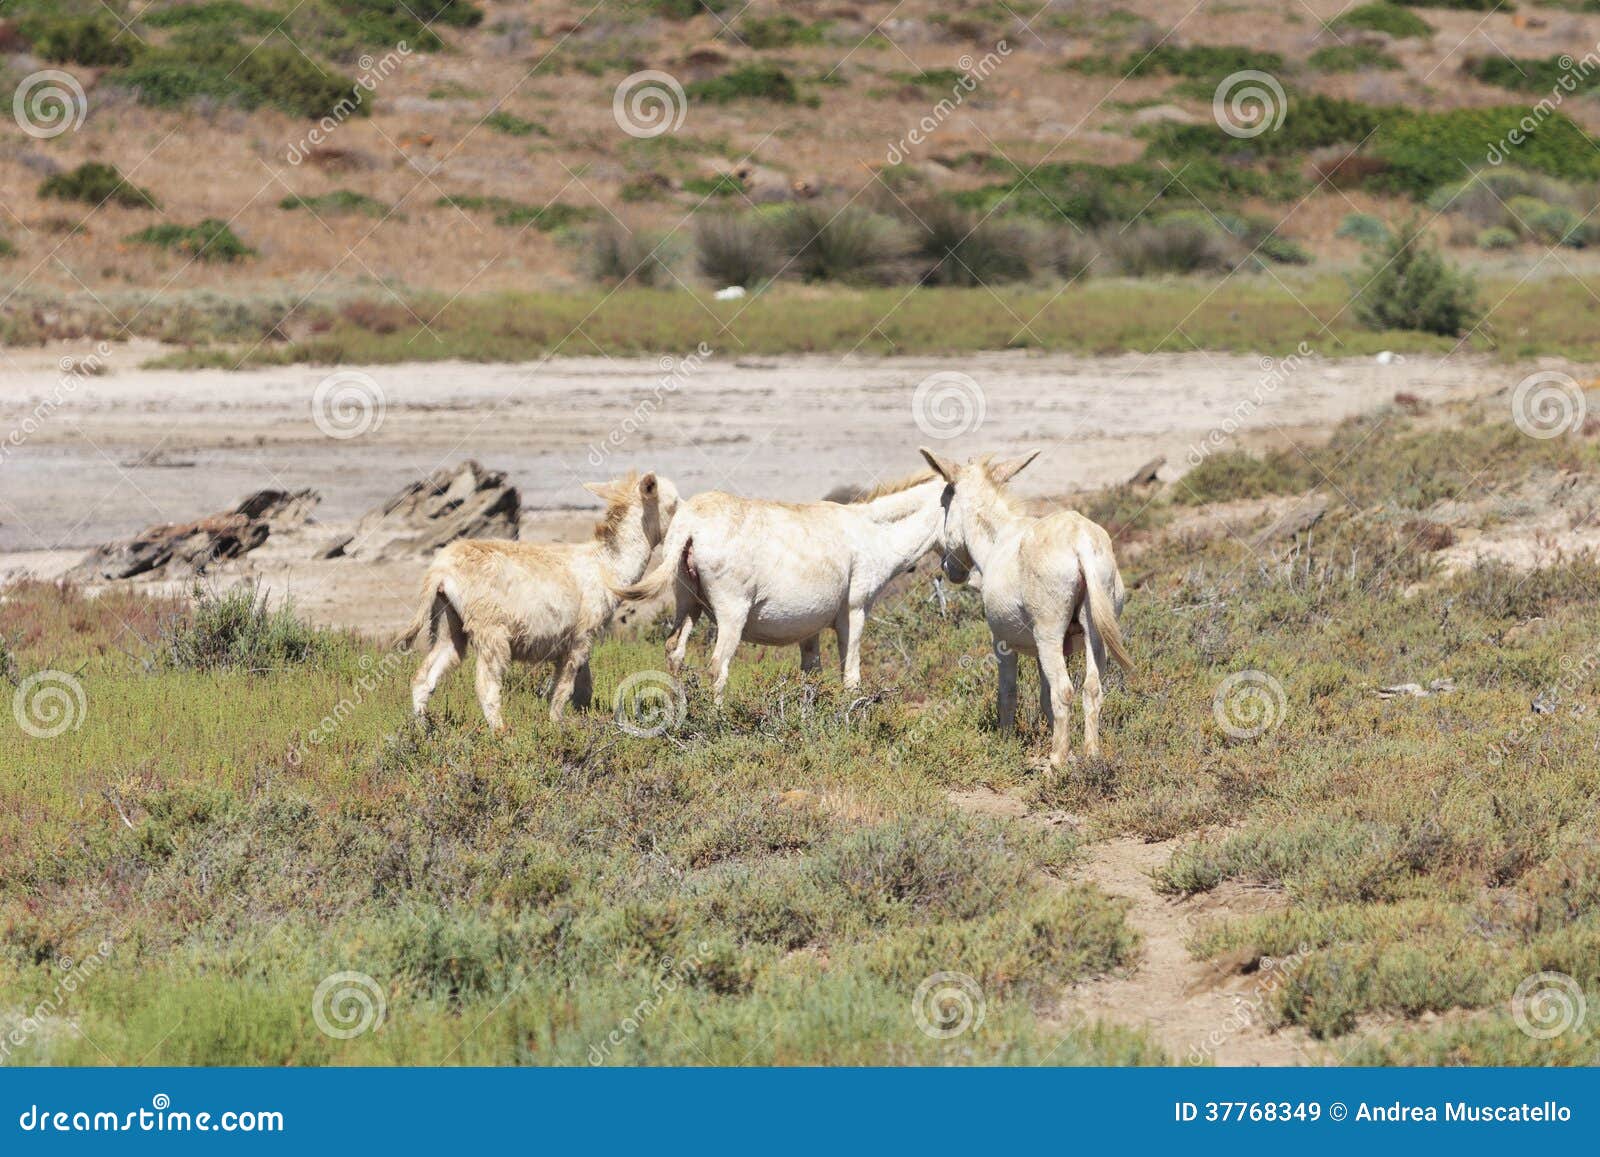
pixel 211 240
pixel 747 82
pixel 512 125
pixel 1353 58
pixel 266 825
pixel 340 202
pixel 1384 17
pixel 516 214
pixel 1543 75
pixel 96 183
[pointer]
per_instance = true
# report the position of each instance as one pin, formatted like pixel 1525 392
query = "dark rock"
pixel 179 550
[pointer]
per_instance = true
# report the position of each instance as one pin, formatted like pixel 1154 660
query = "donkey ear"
pixel 601 490
pixel 1006 471
pixel 943 467
pixel 647 485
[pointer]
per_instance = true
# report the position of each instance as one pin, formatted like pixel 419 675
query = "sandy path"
pixel 103 456
pixel 1199 1011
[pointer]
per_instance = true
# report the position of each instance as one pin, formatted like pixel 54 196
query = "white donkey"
pixel 536 602
pixel 781 573
pixel 1049 584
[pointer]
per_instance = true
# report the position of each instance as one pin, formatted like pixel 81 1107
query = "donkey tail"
pixel 1104 617
pixel 661 577
pixel 428 611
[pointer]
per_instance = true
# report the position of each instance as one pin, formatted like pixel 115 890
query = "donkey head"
pixel 647 501
pixel 972 498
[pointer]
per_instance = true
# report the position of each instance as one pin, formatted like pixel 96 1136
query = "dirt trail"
pixel 1199 1011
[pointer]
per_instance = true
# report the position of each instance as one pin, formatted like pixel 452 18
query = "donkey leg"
pixel 1006 692
pixel 583 687
pixel 1047 713
pixel 448 650
pixel 811 653
pixel 1053 659
pixel 730 631
pixel 683 627
pixel 494 656
pixel 848 626
pixel 1094 662
pixel 574 659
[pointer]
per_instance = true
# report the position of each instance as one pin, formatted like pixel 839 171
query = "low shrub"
pixel 1407 285
pixel 211 240
pixel 514 126
pixel 736 248
pixel 1172 246
pixel 748 82
pixel 204 63
pixel 96 41
pixel 766 32
pixel 721 185
pixel 7 249
pixel 1424 150
pixel 340 202
pixel 687 9
pixel 513 214
pixel 96 183
pixel 1353 58
pixel 957 247
pixel 230 14
pixel 1529 74
pixel 1362 227
pixel 1498 237
pixel 1390 19
pixel 612 255
pixel 235 630
pixel 849 244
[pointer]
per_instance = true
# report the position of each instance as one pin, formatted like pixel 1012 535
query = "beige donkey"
pixel 1050 584
pixel 780 573
pixel 536 602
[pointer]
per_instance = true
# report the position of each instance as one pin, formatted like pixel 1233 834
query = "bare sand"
pixel 131 447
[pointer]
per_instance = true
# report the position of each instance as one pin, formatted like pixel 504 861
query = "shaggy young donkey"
pixel 780 572
pixel 536 602
pixel 1048 584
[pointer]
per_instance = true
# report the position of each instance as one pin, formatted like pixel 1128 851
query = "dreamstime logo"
pixel 648 704
pixel 1248 103
pixel 1547 1004
pixel 347 1004
pixel 1548 404
pixel 49 703
pixel 49 103
pixel 348 404
pixel 948 1004
pixel 675 373
pixel 948 404
pixel 373 72
pixel 1248 704
pixel 649 103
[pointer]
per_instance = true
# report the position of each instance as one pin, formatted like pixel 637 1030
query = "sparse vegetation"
pixel 1353 58
pixel 736 248
pixel 340 202
pixel 516 214
pixel 211 240
pixel 1407 284
pixel 512 125
pixel 747 82
pixel 96 183
pixel 1390 19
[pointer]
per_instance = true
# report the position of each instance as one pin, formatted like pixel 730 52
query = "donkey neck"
pixel 626 549
pixel 987 518
pixel 906 524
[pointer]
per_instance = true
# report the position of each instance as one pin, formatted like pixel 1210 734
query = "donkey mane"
pixel 884 489
pixel 619 502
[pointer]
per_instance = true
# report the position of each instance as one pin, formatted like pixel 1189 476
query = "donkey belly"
pixel 783 618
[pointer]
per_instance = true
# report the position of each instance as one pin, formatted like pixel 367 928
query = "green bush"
pixel 229 14
pixel 1390 19
pixel 1482 198
pixel 1498 237
pixel 1552 224
pixel 1407 285
pixel 337 203
pixel 850 244
pixel 211 240
pixel 749 82
pixel 687 9
pixel 236 631
pixel 1426 150
pixel 1353 58
pixel 7 249
pixel 1172 246
pixel 736 248
pixel 721 185
pixel 1462 5
pixel 96 183
pixel 766 32
pixel 1201 61
pixel 204 63
pixel 1528 74
pixel 1362 227
pixel 614 256
pixel 957 247
pixel 513 214
pixel 514 126
pixel 96 41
